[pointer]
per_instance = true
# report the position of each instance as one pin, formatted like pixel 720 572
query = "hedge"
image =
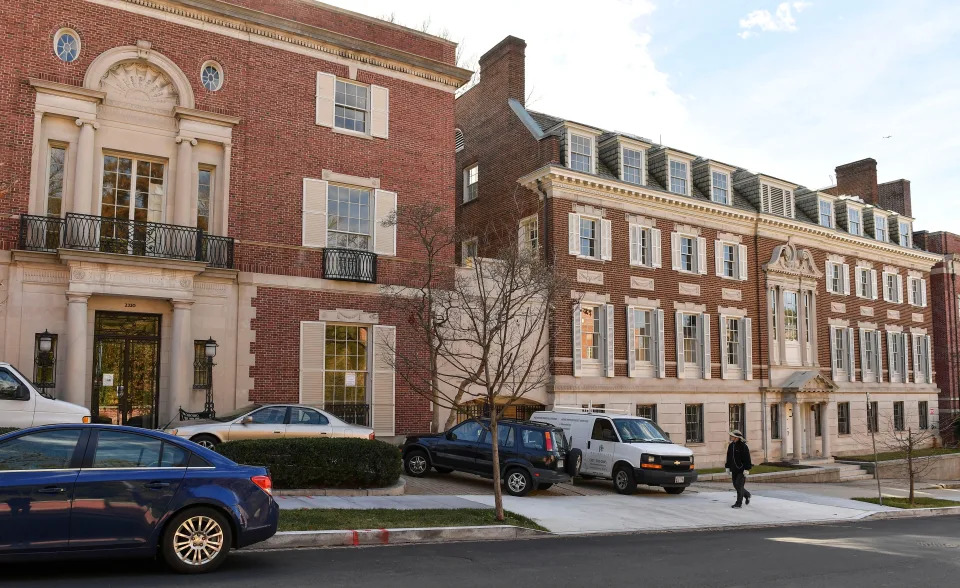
pixel 5 430
pixel 319 463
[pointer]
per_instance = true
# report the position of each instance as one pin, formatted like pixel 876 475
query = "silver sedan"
pixel 270 421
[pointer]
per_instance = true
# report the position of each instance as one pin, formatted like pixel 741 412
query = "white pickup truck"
pixel 21 405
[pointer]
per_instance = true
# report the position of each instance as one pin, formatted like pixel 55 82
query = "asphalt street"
pixel 905 552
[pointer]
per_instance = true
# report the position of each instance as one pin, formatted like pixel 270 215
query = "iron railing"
pixel 355 414
pixel 349 264
pixel 481 410
pixel 87 232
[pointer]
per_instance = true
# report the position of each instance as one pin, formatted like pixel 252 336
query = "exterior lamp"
pixel 210 348
pixel 45 341
pixel 45 362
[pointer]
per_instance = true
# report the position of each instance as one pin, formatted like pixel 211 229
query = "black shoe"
pixel 748 500
pixel 737 505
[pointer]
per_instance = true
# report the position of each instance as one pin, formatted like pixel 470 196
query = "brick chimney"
pixel 503 70
pixel 895 195
pixel 858 179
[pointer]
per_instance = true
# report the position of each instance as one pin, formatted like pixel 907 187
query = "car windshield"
pixel 640 431
pixel 237 413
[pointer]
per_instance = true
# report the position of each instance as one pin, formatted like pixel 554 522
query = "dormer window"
pixel 826 214
pixel 720 187
pixel 854 222
pixel 632 166
pixel 581 153
pixel 880 228
pixel 905 237
pixel 678 177
pixel 776 200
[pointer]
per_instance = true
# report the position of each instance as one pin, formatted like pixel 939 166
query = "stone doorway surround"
pixel 801 391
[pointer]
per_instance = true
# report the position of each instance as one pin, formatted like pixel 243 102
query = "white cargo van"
pixel 627 449
pixel 22 406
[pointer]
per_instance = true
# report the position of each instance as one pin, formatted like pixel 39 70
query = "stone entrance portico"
pixel 801 396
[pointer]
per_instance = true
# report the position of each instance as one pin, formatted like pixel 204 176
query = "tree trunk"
pixel 497 488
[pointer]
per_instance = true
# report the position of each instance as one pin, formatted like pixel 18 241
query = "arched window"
pixel 66 45
pixel 458 140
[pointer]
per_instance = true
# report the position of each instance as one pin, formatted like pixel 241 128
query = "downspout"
pixel 546 222
pixel 760 314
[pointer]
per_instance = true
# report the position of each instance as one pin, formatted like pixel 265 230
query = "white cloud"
pixel 781 21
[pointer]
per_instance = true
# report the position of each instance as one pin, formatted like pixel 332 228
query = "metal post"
pixel 208 404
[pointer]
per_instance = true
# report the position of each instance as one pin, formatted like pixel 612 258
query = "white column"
pixel 76 374
pixel 181 359
pixel 827 409
pixel 802 327
pixel 184 214
pixel 83 178
pixel 784 443
pixel 781 327
pixel 811 432
pixel 797 430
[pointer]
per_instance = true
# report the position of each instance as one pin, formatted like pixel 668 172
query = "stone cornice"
pixel 224 120
pixel 246 20
pixel 75 92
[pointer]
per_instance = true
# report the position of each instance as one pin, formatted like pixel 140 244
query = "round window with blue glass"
pixel 66 45
pixel 211 76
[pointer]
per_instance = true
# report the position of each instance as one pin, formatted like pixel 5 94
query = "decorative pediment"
pixel 790 260
pixel 809 381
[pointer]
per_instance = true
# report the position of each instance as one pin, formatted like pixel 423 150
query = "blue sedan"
pixel 104 490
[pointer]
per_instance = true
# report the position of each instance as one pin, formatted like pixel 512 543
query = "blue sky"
pixel 790 89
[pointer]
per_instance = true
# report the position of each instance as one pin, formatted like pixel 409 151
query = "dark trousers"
pixel 739 481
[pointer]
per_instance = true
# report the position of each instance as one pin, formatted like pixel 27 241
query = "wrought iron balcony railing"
pixel 355 414
pixel 110 235
pixel 349 264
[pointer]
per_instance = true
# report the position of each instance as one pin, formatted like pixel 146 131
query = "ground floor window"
pixel 843 418
pixel 922 408
pixel 694 422
pixel 738 418
pixel 873 418
pixel 774 421
pixel 647 411
pixel 345 365
pixel 898 419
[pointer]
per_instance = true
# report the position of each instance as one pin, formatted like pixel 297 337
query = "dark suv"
pixel 531 454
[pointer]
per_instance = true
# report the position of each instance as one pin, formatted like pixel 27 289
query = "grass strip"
pixel 324 519
pixel 918 502
pixel 891 455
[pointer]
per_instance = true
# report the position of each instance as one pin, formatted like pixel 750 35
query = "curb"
pixel 355 538
pixel 397 489
pixel 915 513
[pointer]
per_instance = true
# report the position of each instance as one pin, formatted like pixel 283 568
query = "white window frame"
pixel 528 234
pixel 866 282
pixel 859 214
pixel 739 264
pixel 367 110
pixel 908 235
pixel 471 191
pixel 670 176
pixel 591 140
pixel 603 319
pixel 701 367
pixel 880 225
pixel 896 281
pixel 843 269
pixel 917 291
pixel 698 253
pixel 604 236
pixel 841 356
pixel 714 173
pixel 645 246
pixel 833 218
pixel 655 365
pixel 742 367
pixel 640 170
pixel 871 355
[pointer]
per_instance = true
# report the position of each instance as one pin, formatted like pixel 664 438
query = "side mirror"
pixel 247 420
pixel 451 436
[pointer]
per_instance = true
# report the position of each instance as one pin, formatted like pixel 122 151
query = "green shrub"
pixel 319 463
pixel 5 430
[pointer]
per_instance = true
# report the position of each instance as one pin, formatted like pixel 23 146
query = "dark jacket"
pixel 738 457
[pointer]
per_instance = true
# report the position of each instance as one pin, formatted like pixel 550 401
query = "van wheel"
pixel 623 480
pixel 208 441
pixel 196 541
pixel 574 461
pixel 416 464
pixel 518 482
pixel 675 489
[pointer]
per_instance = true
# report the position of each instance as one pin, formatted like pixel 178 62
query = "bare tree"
pixel 486 324
pixel 905 443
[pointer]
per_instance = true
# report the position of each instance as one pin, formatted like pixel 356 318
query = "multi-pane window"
pixel 647 411
pixel 589 237
pixel 738 418
pixel 632 166
pixel 351 108
pixel 873 417
pixel 895 356
pixel 905 235
pixel 733 341
pixel 471 183
pixel 918 292
pixel 806 317
pixel 468 250
pixel 839 349
pixel 688 253
pixel 920 367
pixel 836 278
pixel 642 244
pixel 854 222
pixel 826 214
pixel 201 366
pixel 678 177
pixel 693 421
pixel 581 153
pixel 893 287
pixel 865 283
pixel 773 314
pixel 869 353
pixel 642 335
pixel 345 365
pixel 843 418
pixel 898 417
pixel 729 260
pixel 530 234
pixel 790 316
pixel 922 408
pixel 204 189
pixel 348 217
pixel 774 421
pixel 691 338
pixel 721 187
pixel 590 333
pixel 58 157
pixel 880 228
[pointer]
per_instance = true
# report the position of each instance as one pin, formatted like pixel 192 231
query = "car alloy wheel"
pixel 206 443
pixel 622 480
pixel 417 464
pixel 198 540
pixel 517 482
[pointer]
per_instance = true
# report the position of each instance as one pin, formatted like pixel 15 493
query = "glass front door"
pixel 126 371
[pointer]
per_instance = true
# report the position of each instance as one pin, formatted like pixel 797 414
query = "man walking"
pixel 738 462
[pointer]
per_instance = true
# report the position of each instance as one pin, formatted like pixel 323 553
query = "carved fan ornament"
pixel 788 259
pixel 141 86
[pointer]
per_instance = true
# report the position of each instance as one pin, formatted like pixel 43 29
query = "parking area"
pixel 459 484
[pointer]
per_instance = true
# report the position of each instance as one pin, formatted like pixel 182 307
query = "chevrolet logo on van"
pixel 676 463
